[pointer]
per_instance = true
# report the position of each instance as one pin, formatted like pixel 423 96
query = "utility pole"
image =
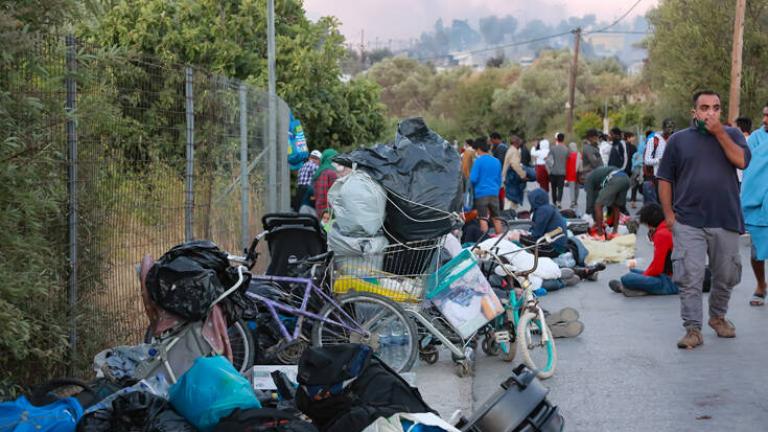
pixel 272 103
pixel 734 98
pixel 572 81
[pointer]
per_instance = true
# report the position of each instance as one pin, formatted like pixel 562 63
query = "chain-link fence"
pixel 136 156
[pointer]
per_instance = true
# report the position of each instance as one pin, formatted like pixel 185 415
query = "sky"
pixel 404 19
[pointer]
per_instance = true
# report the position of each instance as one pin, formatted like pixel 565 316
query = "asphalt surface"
pixel 625 372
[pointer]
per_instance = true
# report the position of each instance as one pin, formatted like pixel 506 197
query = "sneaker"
pixel 568 329
pixel 571 281
pixel 691 340
pixel 615 286
pixel 723 327
pixel 565 314
pixel 566 273
pixel 633 292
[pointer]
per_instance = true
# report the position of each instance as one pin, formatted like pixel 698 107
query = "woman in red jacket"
pixel 573 172
pixel 657 278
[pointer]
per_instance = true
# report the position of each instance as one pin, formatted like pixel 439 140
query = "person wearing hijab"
pixel 323 180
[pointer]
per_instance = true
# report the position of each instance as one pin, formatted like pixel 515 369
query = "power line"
pixel 618 20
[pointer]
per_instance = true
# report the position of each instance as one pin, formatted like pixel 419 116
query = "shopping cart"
pixel 418 275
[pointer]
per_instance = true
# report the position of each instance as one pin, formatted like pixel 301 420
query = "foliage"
pixel 586 121
pixel 689 48
pixel 32 331
pixel 529 102
pixel 229 38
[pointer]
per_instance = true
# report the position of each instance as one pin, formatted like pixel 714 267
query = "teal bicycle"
pixel 522 327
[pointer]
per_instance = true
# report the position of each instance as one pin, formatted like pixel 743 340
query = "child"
pixel 325 220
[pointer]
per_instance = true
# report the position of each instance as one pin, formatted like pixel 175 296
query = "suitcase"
pixel 519 406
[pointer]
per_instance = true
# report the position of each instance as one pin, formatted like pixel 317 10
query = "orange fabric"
pixel 467 159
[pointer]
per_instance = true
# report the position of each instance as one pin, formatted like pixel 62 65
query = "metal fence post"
pixel 244 183
pixel 189 193
pixel 71 85
pixel 284 176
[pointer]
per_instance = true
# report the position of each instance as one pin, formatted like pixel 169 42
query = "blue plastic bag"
pixel 209 390
pixel 21 416
pixel 298 151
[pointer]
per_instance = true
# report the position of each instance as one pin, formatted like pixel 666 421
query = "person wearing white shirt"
pixel 654 148
pixel 605 149
pixel 540 152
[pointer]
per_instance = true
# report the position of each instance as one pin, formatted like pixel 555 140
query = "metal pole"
pixel 189 193
pixel 244 189
pixel 71 108
pixel 572 82
pixel 284 173
pixel 734 98
pixel 272 125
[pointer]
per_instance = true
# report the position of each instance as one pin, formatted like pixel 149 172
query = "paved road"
pixel 625 373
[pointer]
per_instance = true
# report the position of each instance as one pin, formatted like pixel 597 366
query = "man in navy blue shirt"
pixel 486 181
pixel 698 169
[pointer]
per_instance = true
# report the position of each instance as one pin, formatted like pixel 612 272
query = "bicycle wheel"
pixel 240 341
pixel 389 331
pixel 537 354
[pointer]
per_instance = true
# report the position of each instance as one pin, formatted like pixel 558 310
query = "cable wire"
pixel 615 22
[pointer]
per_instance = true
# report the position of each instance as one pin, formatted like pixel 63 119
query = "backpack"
pixel 263 420
pixel 344 388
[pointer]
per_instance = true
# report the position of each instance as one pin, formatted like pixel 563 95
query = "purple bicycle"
pixel 304 311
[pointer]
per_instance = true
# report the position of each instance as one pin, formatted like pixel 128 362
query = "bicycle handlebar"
pixel 240 278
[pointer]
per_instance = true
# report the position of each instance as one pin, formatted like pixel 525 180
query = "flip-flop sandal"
pixel 566 329
pixel 566 314
pixel 757 300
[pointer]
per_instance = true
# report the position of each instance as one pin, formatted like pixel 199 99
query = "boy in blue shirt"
pixel 486 181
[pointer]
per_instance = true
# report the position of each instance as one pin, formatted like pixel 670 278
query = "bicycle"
pixel 523 326
pixel 357 317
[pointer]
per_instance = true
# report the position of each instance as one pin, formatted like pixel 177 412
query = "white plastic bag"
pixel 523 260
pixel 358 203
pixel 395 423
pixel 356 255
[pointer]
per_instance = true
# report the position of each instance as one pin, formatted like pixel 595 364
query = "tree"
pixel 690 50
pixel 229 38
pixel 33 334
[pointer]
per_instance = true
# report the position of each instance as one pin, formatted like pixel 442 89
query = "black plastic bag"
pixel 346 388
pixel 187 279
pixel 135 412
pixel 421 173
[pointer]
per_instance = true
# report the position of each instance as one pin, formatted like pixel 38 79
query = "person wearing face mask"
pixel 323 179
pixel 699 165
pixel 754 191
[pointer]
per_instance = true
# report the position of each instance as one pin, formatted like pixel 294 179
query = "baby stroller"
pixel 291 237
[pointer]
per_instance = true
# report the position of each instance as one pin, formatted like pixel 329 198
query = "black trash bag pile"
pixel 188 278
pixel 421 173
pixel 345 388
pixel 264 420
pixel 135 412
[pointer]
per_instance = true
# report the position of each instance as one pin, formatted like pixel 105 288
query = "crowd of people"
pixel 702 187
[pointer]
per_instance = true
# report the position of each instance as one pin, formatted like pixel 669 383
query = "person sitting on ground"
pixel 545 218
pixel 657 278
